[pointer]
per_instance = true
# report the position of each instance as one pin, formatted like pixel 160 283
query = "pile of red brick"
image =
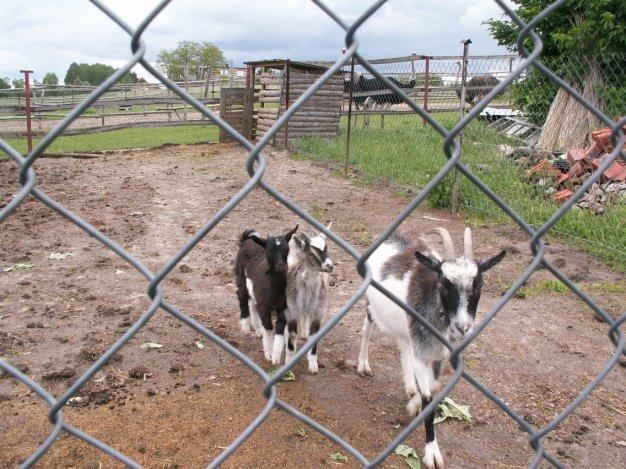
pixel 581 163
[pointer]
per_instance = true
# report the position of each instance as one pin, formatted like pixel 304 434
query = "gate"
pixel 236 110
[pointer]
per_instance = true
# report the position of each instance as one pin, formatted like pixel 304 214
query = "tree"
pixel 94 74
pixel 18 83
pixel 50 79
pixel 584 42
pixel 5 83
pixel 198 58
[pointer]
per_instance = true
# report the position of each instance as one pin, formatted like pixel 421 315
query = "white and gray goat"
pixel 444 292
pixel 308 278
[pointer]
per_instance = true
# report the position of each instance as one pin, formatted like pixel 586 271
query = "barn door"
pixel 236 109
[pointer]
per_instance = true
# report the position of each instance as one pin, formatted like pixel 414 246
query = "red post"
pixel 29 129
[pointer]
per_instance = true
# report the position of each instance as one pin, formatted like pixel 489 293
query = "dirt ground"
pixel 180 405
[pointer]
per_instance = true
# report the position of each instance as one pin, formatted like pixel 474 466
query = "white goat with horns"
pixel 443 292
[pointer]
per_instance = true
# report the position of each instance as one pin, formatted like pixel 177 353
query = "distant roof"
pixel 280 63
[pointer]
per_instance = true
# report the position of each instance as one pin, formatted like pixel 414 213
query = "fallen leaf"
pixel 28 265
pixel 448 408
pixel 200 345
pixel 150 345
pixel 620 443
pixel 410 456
pixel 74 400
pixel 289 376
pixel 338 458
pixel 56 256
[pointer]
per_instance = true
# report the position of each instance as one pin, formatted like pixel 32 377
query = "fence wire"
pixel 256 166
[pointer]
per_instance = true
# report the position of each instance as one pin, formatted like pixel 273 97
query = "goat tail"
pixel 245 235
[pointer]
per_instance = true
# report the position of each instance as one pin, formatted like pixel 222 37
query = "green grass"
pixel 142 137
pixel 544 286
pixel 410 153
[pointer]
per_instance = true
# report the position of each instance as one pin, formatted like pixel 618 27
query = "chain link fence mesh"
pixel 503 143
pixel 256 166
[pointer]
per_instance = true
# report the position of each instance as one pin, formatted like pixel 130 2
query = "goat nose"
pixel 463 326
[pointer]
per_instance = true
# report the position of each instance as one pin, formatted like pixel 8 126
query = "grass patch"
pixel 544 286
pixel 319 212
pixel 410 153
pixel 123 139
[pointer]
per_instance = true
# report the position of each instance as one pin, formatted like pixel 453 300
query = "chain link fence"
pixel 526 123
pixel 256 166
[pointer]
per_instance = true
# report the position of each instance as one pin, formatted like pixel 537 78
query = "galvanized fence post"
pixel 456 188
pixel 346 163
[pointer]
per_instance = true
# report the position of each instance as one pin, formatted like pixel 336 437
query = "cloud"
pixel 48 36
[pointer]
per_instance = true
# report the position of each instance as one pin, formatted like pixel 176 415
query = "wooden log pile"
pixel 318 117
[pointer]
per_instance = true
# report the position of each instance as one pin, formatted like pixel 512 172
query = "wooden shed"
pixel 278 83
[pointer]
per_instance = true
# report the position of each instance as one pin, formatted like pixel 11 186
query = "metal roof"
pixel 280 63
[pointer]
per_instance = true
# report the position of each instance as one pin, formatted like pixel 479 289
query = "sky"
pixel 47 35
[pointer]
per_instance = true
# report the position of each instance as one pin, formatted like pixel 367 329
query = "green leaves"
pixel 338 458
pixel 289 376
pixel 56 256
pixel 196 57
pixel 410 456
pixel 447 408
pixel 150 346
pixel 27 265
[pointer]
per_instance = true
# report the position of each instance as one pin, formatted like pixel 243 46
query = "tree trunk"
pixel 552 126
pixel 569 124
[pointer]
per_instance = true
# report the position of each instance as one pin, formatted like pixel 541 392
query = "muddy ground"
pixel 178 406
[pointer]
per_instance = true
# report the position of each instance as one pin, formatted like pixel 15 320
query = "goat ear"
pixel 306 241
pixel 301 241
pixel 489 263
pixel 426 261
pixel 254 236
pixel 290 233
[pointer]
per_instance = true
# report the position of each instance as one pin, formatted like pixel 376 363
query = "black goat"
pixel 384 99
pixel 478 87
pixel 261 276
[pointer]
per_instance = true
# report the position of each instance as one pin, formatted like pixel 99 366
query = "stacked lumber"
pixel 319 116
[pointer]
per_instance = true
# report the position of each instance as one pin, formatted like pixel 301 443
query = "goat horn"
pixel 448 247
pixel 322 234
pixel 467 244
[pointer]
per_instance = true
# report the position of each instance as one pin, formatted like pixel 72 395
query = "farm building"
pixel 280 84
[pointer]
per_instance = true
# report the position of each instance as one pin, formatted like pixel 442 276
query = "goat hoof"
pixel 365 370
pixel 410 392
pixel 432 456
pixel 244 324
pixel 313 369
